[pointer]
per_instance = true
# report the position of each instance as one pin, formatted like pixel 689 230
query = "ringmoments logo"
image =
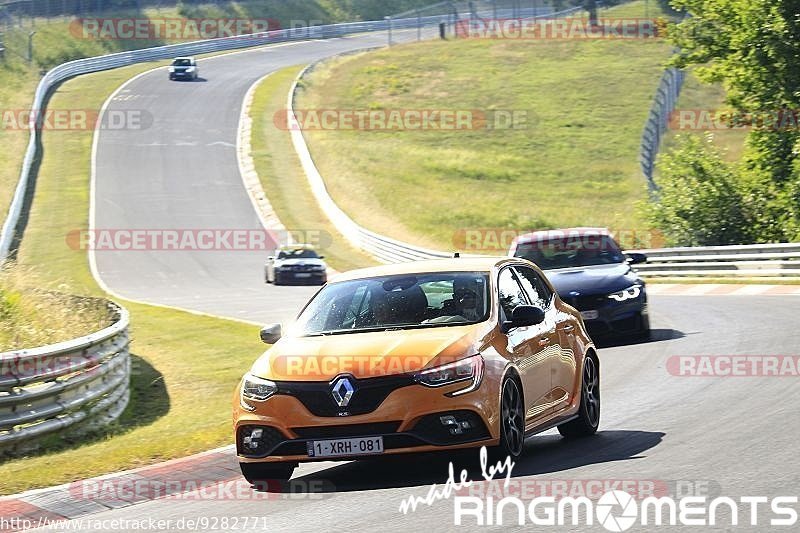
pixel 615 510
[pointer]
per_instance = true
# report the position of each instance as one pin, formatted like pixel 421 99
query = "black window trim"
pixel 544 282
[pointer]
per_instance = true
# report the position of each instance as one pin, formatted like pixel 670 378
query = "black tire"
pixel 267 475
pixel 589 410
pixel 644 329
pixel 512 421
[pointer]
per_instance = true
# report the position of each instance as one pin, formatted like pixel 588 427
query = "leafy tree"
pixel 751 47
pixel 701 202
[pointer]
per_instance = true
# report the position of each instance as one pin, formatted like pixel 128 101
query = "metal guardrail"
pixel 669 89
pixel 65 386
pixel 758 260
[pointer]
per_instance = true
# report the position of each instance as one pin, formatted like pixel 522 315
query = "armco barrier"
pixel 65 386
pixel 754 261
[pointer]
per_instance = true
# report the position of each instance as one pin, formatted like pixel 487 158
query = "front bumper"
pixel 612 318
pixel 317 276
pixel 408 420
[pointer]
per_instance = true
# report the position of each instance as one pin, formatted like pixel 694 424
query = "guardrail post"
pixel 443 30
pixel 419 25
pixel 30 46
pixel 389 29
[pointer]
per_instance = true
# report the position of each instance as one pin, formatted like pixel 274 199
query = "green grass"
pixel 30 317
pixel 698 96
pixel 577 164
pixel 283 178
pixel 185 366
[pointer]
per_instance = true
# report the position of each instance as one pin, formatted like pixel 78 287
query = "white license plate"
pixel 345 447
pixel 590 315
pixel 303 275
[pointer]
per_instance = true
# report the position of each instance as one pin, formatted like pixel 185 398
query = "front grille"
pixel 369 394
pixel 352 430
pixel 586 303
pixel 629 324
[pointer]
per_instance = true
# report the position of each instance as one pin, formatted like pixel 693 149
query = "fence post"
pixel 30 46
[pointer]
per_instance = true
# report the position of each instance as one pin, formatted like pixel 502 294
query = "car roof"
pixel 184 57
pixel 462 264
pixel 545 235
pixel 293 247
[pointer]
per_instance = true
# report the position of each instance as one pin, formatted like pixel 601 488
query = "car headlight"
pixel 257 389
pixel 172 69
pixel 630 293
pixel 190 69
pixel 318 267
pixel 469 371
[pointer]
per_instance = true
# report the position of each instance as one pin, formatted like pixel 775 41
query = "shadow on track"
pixel 543 454
pixel 656 335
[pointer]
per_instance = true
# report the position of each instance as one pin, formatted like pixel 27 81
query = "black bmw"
pixel 592 274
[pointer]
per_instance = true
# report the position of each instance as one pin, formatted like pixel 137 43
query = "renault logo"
pixel 342 391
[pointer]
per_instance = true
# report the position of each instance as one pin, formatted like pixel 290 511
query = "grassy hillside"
pixel 576 162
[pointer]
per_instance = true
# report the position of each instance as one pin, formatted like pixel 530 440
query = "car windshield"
pixel 571 251
pixel 397 302
pixel 182 63
pixel 298 254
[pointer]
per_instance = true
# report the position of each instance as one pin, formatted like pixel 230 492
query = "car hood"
pixel 301 262
pixel 366 355
pixel 599 279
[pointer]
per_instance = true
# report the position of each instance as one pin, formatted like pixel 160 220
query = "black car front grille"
pixel 352 430
pixel 586 303
pixel 369 394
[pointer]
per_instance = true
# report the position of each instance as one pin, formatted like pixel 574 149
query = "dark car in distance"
pixel 591 273
pixel 184 68
pixel 298 264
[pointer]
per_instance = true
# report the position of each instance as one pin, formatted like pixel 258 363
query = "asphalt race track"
pixel 182 173
pixel 711 435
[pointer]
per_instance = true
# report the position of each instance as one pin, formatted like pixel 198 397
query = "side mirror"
pixel 271 334
pixel 523 316
pixel 271 258
pixel 322 257
pixel 636 258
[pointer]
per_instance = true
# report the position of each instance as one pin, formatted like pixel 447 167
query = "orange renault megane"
pixel 418 357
